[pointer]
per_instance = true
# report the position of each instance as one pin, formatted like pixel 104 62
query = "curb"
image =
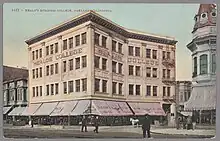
pixel 180 134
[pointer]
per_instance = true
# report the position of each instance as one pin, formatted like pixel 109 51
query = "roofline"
pixel 90 16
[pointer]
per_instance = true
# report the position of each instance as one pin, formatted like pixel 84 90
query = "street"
pixel 60 133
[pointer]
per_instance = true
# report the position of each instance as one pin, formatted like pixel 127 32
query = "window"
pixel 64 66
pixel 114 66
pixel 203 64
pixel 148 72
pixel 77 39
pixel 70 42
pixel 36 72
pixel 168 55
pixel 65 44
pixel 131 89
pixel 148 90
pixel 33 73
pixel 84 38
pixel 40 71
pixel 51 69
pixel 36 54
pixel 164 55
pixel 32 55
pixel 168 73
pixel 41 91
pixel 120 68
pixel 168 91
pixel 154 90
pixel 52 89
pixel 164 91
pixel 77 85
pixel 97 39
pixel 64 87
pixel 104 86
pixel 84 62
pixel 195 65
pixel 33 91
pixel 70 86
pixel 164 73
pixel 130 51
pixel 114 45
pixel 114 87
pixel 120 88
pixel 47 50
pixel 104 40
pixel 96 61
pixel 154 54
pixel 84 84
pixel 77 63
pixel 47 70
pixel 213 63
pixel 138 70
pixel 97 89
pixel 119 48
pixel 56 88
pixel 40 53
pixel 148 53
pixel 155 72
pixel 131 70
pixel 51 49
pixel 137 51
pixel 56 68
pixel 138 89
pixel 104 63
pixel 48 90
pixel 71 64
pixel 56 47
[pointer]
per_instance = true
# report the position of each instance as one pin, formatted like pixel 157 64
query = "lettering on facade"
pixel 46 60
pixel 117 57
pixel 101 73
pixel 143 61
pixel 118 77
pixel 69 53
pixel 102 52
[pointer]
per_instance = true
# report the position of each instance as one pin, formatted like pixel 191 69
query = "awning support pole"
pixel 200 117
pixel 68 120
pixel 211 117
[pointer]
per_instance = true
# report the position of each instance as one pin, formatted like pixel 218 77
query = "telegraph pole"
pixel 177 103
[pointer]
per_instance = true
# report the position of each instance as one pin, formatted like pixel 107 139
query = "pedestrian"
pixel 189 123
pixel 96 124
pixel 32 123
pixel 146 126
pixel 84 124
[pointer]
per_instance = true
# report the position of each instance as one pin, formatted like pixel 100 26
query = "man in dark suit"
pixel 96 124
pixel 146 126
pixel 84 124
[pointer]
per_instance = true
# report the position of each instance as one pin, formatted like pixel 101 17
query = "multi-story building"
pixel 203 48
pixel 14 88
pixel 99 63
pixel 184 89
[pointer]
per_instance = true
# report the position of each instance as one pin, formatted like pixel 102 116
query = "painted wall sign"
pixel 45 60
pixel 143 61
pixel 116 56
pixel 102 52
pixel 69 53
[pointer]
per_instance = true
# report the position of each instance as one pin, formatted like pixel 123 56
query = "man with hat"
pixel 146 126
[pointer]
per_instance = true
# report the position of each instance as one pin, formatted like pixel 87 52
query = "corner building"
pixel 92 65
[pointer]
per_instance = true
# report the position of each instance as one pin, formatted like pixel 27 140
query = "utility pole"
pixel 177 103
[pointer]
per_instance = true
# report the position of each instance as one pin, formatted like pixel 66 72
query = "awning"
pixel 6 109
pixel 46 109
pixel 29 111
pixel 154 109
pixel 17 111
pixel 64 108
pixel 202 98
pixel 111 108
pixel 186 113
pixel 81 108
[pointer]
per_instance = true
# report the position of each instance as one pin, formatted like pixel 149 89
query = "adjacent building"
pixel 91 65
pixel 203 47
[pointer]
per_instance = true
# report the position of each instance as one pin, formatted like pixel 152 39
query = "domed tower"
pixel 203 48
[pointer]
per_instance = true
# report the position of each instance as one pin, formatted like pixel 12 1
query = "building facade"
pixel 15 91
pixel 203 48
pixel 92 58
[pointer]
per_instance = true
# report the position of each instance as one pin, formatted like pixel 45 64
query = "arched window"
pixel 194 66
pixel 203 64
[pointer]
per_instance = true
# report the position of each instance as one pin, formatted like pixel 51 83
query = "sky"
pixel 175 20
